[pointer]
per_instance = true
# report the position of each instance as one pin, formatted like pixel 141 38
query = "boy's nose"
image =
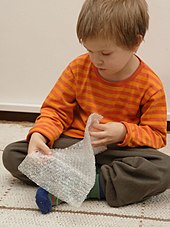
pixel 97 61
pixel 98 64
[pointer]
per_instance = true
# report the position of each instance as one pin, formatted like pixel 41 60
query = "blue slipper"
pixel 43 201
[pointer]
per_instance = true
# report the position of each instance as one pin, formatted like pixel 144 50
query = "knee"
pixel 166 171
pixel 13 155
pixel 8 157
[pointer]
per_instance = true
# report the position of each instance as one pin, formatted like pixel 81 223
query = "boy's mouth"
pixel 101 69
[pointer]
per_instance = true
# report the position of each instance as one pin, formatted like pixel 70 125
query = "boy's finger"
pixel 100 142
pixel 98 135
pixel 99 126
pixel 45 149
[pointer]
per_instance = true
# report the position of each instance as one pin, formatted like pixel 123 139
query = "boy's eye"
pixel 106 54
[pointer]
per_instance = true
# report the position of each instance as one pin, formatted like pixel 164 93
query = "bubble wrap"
pixel 68 173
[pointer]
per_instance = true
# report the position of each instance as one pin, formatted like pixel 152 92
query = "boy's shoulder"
pixel 81 59
pixel 149 76
pixel 81 64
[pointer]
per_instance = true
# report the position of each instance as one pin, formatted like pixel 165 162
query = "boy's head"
pixel 120 21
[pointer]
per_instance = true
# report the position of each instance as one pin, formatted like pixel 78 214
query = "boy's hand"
pixel 108 133
pixel 38 143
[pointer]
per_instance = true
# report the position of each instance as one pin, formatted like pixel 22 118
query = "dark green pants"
pixel 127 175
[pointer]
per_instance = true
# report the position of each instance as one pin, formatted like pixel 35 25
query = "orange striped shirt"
pixel 138 102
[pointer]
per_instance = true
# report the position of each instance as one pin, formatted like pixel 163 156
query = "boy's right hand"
pixel 38 143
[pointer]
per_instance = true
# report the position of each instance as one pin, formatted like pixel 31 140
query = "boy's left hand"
pixel 108 133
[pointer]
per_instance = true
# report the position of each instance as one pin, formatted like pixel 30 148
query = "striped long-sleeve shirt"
pixel 138 102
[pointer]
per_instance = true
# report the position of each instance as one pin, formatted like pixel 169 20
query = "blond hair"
pixel 118 20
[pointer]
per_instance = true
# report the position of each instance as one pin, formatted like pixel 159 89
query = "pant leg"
pixel 15 153
pixel 132 175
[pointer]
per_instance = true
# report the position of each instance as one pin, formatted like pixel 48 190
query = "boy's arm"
pixel 152 128
pixel 57 110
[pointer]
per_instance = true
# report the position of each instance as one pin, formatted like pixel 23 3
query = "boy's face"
pixel 113 63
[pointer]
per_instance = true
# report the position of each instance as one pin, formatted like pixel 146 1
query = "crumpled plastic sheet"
pixel 68 173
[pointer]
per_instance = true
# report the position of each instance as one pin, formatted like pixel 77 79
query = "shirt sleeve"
pixel 56 113
pixel 152 128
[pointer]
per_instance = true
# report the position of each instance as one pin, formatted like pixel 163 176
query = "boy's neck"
pixel 128 70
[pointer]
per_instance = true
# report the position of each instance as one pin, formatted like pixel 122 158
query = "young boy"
pixel 112 81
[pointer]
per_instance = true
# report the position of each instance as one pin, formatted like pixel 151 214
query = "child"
pixel 112 81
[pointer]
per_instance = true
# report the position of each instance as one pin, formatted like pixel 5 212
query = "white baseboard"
pixel 168 116
pixel 20 107
pixel 30 108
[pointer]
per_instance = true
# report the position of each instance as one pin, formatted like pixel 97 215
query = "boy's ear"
pixel 139 39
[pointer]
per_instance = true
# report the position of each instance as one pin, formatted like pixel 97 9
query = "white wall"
pixel 156 48
pixel 38 40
